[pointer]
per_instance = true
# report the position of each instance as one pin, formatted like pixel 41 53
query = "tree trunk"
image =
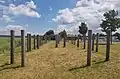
pixel 111 36
pixel 108 46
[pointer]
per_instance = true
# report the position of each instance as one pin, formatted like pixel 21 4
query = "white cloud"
pixel 89 11
pixel 65 16
pixel 7 19
pixel 31 4
pixel 2 1
pixel 50 8
pixel 22 9
pixel 16 28
pixel 27 9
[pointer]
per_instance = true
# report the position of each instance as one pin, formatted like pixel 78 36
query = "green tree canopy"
pixel 50 32
pixel 110 21
pixel 83 28
pixel 63 33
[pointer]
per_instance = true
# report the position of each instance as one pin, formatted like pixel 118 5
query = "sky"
pixel 39 16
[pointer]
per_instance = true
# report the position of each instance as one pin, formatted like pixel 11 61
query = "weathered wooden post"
pixel 40 41
pixel 89 47
pixel 78 40
pixel 34 41
pixel 12 46
pixel 27 42
pixel 74 40
pixel 64 41
pixel 97 40
pixel 71 40
pixel 37 41
pixel 93 40
pixel 108 46
pixel 59 39
pixel 84 40
pixel 22 48
pixel 56 39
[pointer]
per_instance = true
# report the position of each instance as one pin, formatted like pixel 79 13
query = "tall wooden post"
pixel 12 46
pixel 89 47
pixel 64 41
pixel 93 39
pixel 97 40
pixel 78 40
pixel 84 39
pixel 27 42
pixel 71 40
pixel 74 40
pixel 37 41
pixel 108 46
pixel 56 39
pixel 40 40
pixel 34 41
pixel 22 48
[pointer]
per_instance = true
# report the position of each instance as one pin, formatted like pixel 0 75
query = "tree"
pixel 50 32
pixel 110 22
pixel 118 35
pixel 83 30
pixel 101 34
pixel 63 34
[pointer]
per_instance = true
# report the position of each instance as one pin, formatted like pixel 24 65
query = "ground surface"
pixel 49 62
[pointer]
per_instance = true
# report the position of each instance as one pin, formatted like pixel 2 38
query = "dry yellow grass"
pixel 64 63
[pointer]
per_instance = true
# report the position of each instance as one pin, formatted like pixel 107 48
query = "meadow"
pixel 49 62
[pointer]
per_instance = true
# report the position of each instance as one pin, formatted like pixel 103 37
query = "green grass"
pixel 49 62
pixel 5 49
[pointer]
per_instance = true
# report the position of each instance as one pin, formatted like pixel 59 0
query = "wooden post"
pixel 27 42
pixel 74 40
pixel 71 40
pixel 56 38
pixel 40 41
pixel 97 40
pixel 89 47
pixel 78 41
pixel 84 39
pixel 93 39
pixel 12 46
pixel 108 46
pixel 22 48
pixel 37 41
pixel 64 41
pixel 34 41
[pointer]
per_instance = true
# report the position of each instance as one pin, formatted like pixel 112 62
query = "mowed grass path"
pixel 49 62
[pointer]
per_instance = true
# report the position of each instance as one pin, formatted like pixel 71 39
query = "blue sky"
pixel 38 16
pixel 47 9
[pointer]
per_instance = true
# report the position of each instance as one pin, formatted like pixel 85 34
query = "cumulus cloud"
pixel 16 28
pixel 50 8
pixel 7 19
pixel 27 9
pixel 22 9
pixel 2 1
pixel 89 11
pixel 65 16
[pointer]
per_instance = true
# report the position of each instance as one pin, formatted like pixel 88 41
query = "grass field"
pixel 49 62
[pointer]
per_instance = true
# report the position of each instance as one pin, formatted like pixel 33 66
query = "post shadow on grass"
pixel 72 69
pixel 100 62
pixel 14 67
pixel 5 64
